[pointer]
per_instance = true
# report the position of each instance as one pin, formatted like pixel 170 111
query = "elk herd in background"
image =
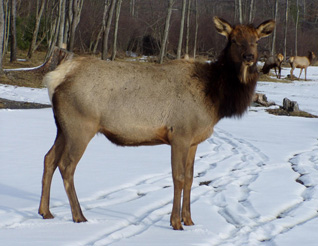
pixel 301 62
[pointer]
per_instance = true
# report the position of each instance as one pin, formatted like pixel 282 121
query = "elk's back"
pixel 134 103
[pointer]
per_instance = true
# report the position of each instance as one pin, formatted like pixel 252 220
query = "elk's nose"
pixel 248 57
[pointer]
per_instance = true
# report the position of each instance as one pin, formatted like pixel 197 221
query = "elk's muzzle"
pixel 248 59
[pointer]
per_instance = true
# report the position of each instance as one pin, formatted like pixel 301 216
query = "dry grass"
pixel 272 78
pixel 23 78
pixel 281 111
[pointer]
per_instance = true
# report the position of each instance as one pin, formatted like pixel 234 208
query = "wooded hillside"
pixel 151 27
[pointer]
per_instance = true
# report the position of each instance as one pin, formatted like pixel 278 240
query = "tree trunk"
pixel 38 16
pixel 166 32
pixel 196 29
pixel 99 35
pixel 60 40
pixel 250 19
pixel 118 6
pixel 77 8
pixel 274 32
pixel 57 57
pixel 296 30
pixel 181 29
pixel 188 28
pixel 240 12
pixel 107 29
pixel 53 35
pixel 2 25
pixel 285 36
pixel 132 7
pixel 13 33
pixel 6 34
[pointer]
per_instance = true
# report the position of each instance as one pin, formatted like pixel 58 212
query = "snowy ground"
pixel 256 181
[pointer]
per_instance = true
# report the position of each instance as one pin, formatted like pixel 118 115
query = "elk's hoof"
pixel 47 215
pixel 176 225
pixel 188 222
pixel 79 220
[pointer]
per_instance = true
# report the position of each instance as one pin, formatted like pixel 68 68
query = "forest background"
pixel 163 29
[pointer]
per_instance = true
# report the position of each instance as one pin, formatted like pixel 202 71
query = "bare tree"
pixel 118 7
pixel 184 3
pixel 7 16
pixel 296 30
pixel 40 4
pixel 53 26
pixel 132 6
pixel 240 9
pixel 285 35
pixel 250 18
pixel 166 32
pixel 196 28
pixel 99 35
pixel 76 15
pixel 13 32
pixel 188 28
pixel 2 26
pixel 274 32
pixel 61 39
pixel 107 29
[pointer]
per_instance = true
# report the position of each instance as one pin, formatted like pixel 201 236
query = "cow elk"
pixel 273 62
pixel 301 62
pixel 132 104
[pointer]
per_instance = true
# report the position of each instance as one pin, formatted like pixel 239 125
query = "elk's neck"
pixel 230 87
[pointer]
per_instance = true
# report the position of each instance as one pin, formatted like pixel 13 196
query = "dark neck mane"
pixel 230 97
pixel 310 57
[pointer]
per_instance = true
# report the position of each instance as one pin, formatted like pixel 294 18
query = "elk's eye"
pixel 234 41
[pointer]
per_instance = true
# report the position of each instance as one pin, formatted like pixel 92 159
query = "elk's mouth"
pixel 248 63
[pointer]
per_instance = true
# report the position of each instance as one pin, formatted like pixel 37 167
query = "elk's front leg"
pixel 186 212
pixel 179 153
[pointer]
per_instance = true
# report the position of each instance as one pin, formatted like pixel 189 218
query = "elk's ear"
pixel 265 28
pixel 222 26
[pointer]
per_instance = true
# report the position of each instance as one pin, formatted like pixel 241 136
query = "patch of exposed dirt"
pixel 28 78
pixel 281 111
pixel 9 104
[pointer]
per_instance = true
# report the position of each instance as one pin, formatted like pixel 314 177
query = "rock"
pixel 261 99
pixel 290 106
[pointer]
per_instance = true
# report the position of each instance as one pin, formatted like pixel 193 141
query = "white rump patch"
pixel 55 78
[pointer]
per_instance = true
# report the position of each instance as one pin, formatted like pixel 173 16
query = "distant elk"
pixel 273 62
pixel 301 62
pixel 134 104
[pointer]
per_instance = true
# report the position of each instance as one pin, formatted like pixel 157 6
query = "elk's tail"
pixel 55 78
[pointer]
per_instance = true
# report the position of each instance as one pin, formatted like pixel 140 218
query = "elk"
pixel 301 62
pixel 133 104
pixel 273 62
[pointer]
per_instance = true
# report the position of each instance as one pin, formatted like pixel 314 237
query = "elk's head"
pixel 242 43
pixel 280 57
pixel 311 56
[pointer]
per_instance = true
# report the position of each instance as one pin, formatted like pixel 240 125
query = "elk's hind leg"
pixel 76 141
pixel 50 163
pixel 301 70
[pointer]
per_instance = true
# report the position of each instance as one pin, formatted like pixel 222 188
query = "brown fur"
pixel 301 62
pixel 133 104
pixel 274 62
